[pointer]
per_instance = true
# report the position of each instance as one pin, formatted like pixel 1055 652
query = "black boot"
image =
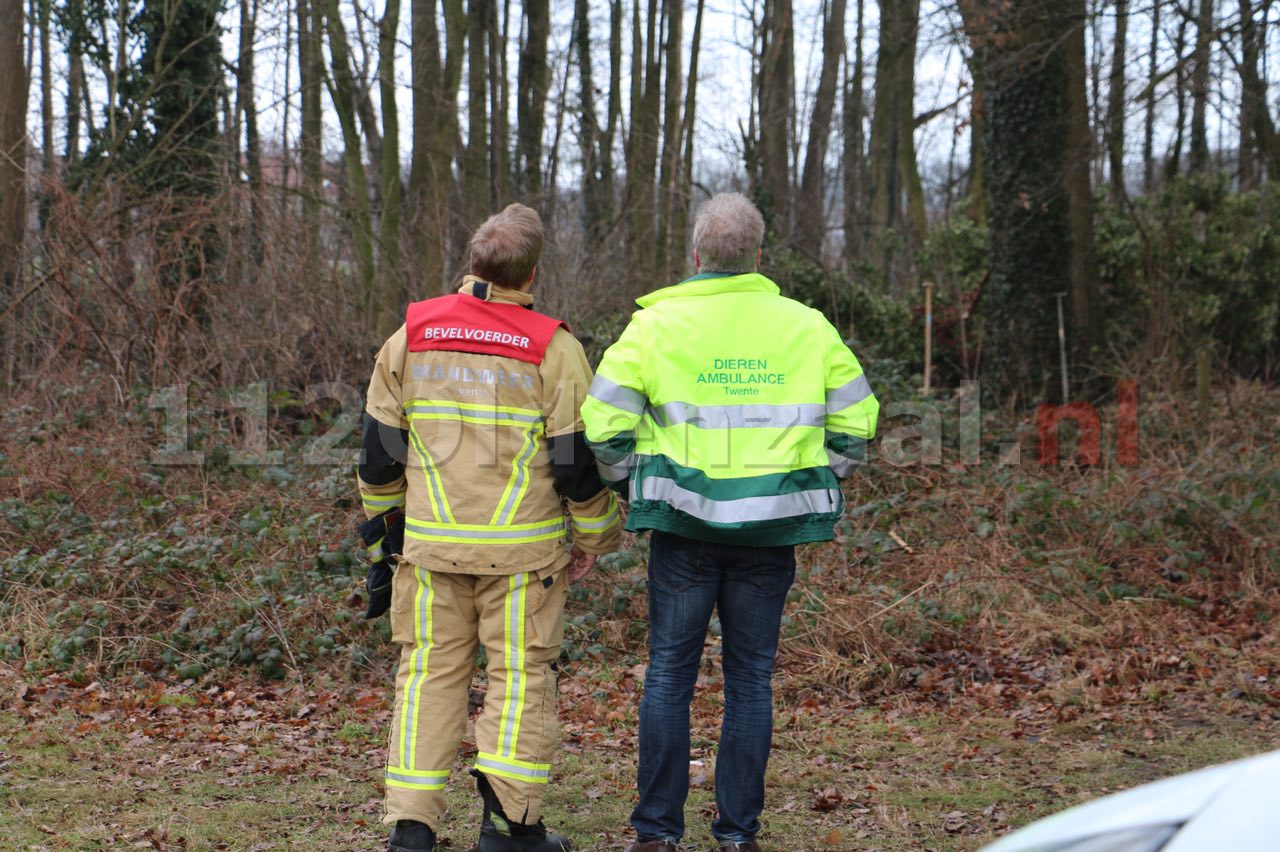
pixel 499 834
pixel 412 836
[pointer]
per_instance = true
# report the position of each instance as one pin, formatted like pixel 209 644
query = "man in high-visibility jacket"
pixel 728 413
pixel 472 427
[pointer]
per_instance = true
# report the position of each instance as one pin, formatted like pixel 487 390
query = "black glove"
pixel 383 537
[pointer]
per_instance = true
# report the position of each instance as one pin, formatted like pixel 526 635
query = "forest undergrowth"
pixel 981 645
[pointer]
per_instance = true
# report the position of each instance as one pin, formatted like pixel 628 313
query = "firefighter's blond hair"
pixel 505 249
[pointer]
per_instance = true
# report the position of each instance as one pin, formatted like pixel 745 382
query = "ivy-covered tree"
pixel 1025 85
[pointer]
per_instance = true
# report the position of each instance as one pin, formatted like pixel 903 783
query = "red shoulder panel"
pixel 462 323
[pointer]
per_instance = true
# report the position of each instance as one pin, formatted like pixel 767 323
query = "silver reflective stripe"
pixel 744 509
pixel 614 472
pixel 612 393
pixel 840 465
pixel 483 533
pixel 511 768
pixel 419 779
pixel 479 413
pixel 849 394
pixel 739 416
pixel 596 525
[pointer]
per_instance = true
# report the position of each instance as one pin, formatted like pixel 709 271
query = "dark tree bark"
pixel 642 147
pixel 13 161
pixel 776 92
pixel 596 206
pixel 247 108
pixel 1148 131
pixel 854 155
pixel 811 219
pixel 680 216
pixel 1116 101
pixel 1079 153
pixel 1198 159
pixel 531 95
pixel 389 260
pixel 437 74
pixel 1027 88
pixel 614 116
pixel 310 80
pixel 1255 114
pixel 475 166
pixel 672 138
pixel 1173 164
pixel 499 153
pixel 893 162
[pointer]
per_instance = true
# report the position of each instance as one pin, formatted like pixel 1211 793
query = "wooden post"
pixel 928 335
pixel 1203 398
pixel 1062 348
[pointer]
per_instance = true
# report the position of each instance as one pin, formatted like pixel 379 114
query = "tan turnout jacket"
pixel 478 489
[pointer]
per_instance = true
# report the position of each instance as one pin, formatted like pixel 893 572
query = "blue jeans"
pixel 748 587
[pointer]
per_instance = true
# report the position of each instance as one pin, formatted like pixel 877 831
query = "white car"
pixel 1229 808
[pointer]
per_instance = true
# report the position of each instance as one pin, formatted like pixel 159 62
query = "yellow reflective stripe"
pixel 599 523
pixel 435 482
pixel 470 412
pixel 422 601
pixel 513 662
pixel 382 502
pixel 375 550
pixel 520 770
pixel 518 484
pixel 486 534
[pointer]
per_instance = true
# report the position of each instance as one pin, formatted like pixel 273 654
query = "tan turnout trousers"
pixel 438 619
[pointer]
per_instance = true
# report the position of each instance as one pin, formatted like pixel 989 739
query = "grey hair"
pixel 727 233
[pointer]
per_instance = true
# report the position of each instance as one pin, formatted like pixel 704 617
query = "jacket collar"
pixel 481 289
pixel 711 284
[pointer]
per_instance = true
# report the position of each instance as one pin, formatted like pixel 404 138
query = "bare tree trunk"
pixel 1199 153
pixel 614 117
pixel 436 76
pixel 905 97
pixel 1148 132
pixel 390 283
pixel 75 80
pixel 48 161
pixel 893 168
pixel 475 166
pixel 594 217
pixel 855 155
pixel 643 147
pixel 811 218
pixel 1116 101
pixel 671 136
pixel 499 159
pixel 1173 165
pixel 680 217
pixel 777 82
pixel 531 95
pixel 248 109
pixel 1079 153
pixel 342 91
pixel 1258 133
pixel 13 164
pixel 310 77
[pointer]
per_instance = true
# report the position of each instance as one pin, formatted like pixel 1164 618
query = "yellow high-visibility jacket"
pixel 727 413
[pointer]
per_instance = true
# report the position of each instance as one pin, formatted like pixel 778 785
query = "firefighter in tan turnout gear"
pixel 472 431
